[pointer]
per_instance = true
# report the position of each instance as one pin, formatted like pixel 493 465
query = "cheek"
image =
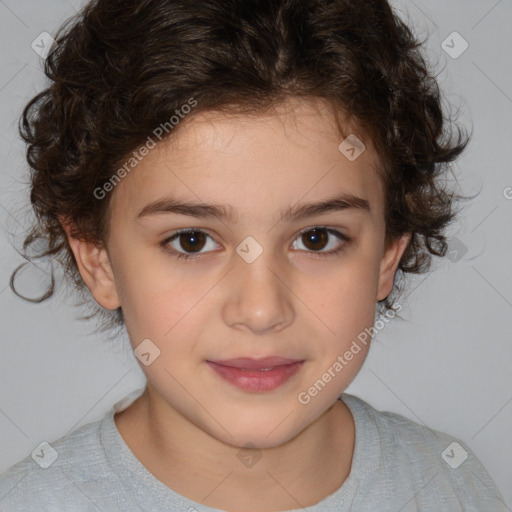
pixel 161 312
pixel 157 296
pixel 347 311
pixel 345 286
pixel 344 301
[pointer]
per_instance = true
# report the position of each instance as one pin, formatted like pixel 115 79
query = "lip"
pixel 250 363
pixel 251 374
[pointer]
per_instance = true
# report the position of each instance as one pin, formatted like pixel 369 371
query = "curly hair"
pixel 120 69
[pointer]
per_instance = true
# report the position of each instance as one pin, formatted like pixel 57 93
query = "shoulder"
pixel 423 463
pixel 63 473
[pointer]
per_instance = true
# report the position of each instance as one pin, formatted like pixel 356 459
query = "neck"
pixel 296 474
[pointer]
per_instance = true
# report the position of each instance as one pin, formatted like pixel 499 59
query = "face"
pixel 260 276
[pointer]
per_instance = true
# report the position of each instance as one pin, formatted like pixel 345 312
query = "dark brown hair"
pixel 120 69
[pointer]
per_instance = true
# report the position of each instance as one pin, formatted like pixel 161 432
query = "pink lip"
pixel 250 374
pixel 249 363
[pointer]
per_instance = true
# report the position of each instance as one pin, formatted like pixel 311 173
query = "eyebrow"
pixel 340 202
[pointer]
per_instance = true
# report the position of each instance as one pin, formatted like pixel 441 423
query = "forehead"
pixel 257 163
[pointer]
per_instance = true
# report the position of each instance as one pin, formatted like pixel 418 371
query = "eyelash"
pixel 185 256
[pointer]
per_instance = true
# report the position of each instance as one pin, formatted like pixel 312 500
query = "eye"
pixel 192 241
pixel 317 239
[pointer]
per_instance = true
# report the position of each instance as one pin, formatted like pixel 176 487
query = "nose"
pixel 259 296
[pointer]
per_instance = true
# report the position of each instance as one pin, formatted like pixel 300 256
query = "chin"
pixel 261 436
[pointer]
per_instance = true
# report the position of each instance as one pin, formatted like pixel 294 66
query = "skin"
pixel 189 425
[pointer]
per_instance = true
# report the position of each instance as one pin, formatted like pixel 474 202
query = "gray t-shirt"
pixel 398 465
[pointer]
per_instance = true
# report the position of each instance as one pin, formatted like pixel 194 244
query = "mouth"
pixel 256 375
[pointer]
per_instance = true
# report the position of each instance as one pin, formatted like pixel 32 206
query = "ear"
pixel 94 266
pixel 389 264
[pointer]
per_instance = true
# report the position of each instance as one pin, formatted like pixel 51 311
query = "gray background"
pixel 447 365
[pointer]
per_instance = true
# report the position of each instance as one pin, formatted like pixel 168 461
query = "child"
pixel 238 183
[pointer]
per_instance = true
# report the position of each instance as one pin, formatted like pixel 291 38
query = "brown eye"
pixel 315 239
pixel 192 241
pixel 189 243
